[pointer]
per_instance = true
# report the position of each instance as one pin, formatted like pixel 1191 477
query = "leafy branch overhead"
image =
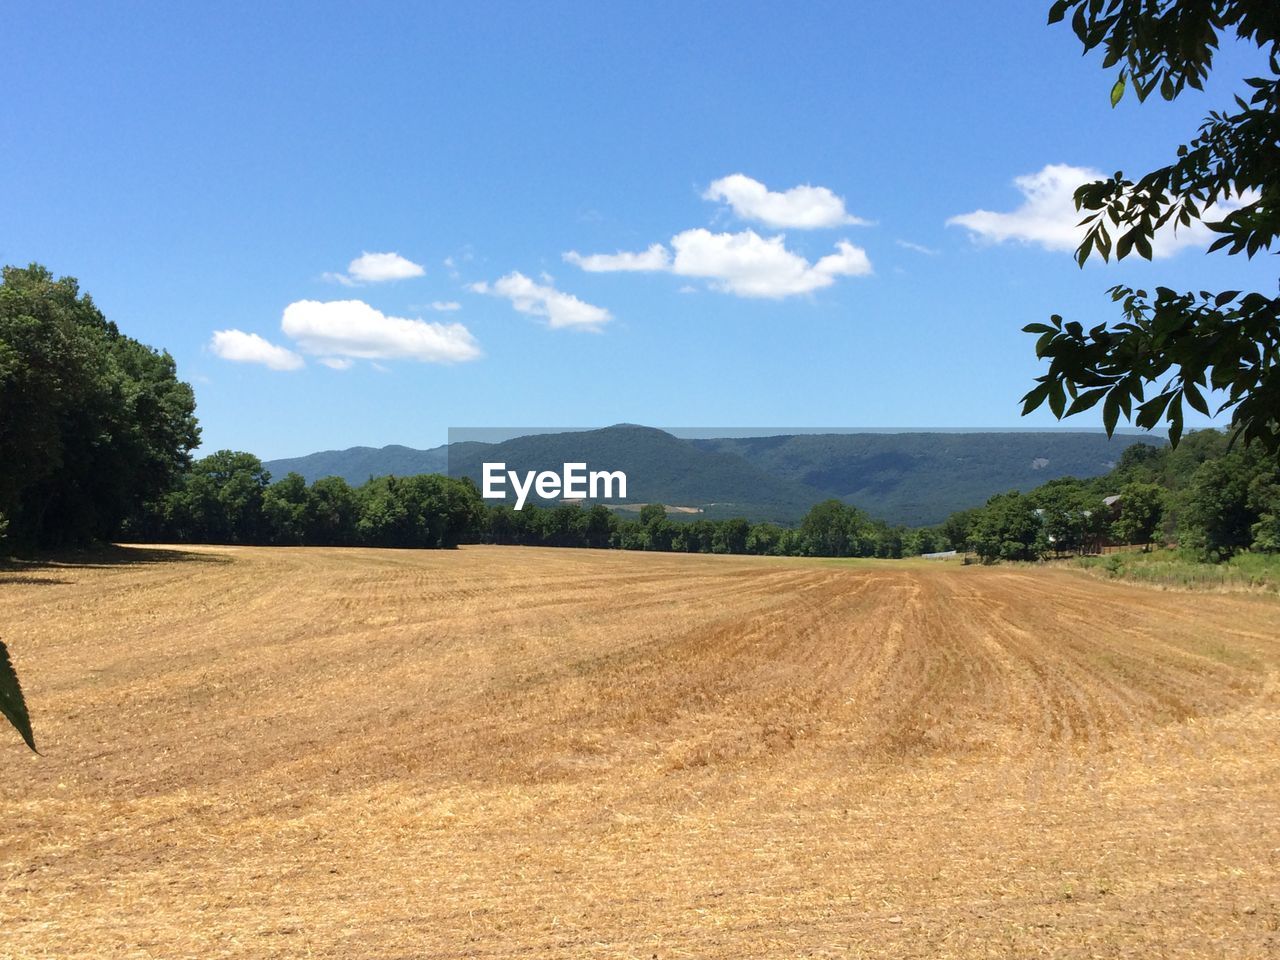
pixel 12 704
pixel 1171 348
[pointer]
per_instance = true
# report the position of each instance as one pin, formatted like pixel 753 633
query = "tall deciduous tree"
pixel 1141 508
pixel 92 422
pixel 1173 347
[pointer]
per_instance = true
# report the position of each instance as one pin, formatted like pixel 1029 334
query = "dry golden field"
pixel 505 752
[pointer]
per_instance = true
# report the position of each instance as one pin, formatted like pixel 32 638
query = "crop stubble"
pixel 506 752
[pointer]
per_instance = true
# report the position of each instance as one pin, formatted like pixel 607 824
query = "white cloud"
pixel 745 263
pixel 445 306
pixel 804 207
pixel 352 328
pixel 560 309
pixel 337 363
pixel 241 347
pixel 917 248
pixel 1048 216
pixel 749 265
pixel 376 268
pixel 655 258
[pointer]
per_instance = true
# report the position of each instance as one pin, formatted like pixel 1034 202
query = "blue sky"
pixel 213 175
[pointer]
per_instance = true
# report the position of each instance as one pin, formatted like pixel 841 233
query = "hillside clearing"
pixel 499 752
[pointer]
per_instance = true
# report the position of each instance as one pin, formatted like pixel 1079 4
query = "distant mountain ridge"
pixel 358 464
pixel 911 478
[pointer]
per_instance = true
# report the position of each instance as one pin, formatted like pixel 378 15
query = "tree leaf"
pixel 12 703
pixel 1195 398
pixel 1175 423
pixel 1034 398
pixel 1057 398
pixel 1117 91
pixel 1111 411
pixel 1086 400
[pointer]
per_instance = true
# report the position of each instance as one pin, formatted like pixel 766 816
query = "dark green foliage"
pixel 228 497
pixel 731 536
pixel 956 529
pixel 1073 516
pixel 333 510
pixel 835 529
pixel 286 509
pixel 1226 499
pixel 1170 348
pixel 92 423
pixel 12 704
pixel 829 529
pixel 652 513
pixel 1211 498
pixel 1008 528
pixel 219 500
pixel 765 539
pixel 1206 496
pixel 598 528
pixel 1141 509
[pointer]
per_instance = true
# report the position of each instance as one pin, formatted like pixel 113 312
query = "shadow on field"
pixel 96 558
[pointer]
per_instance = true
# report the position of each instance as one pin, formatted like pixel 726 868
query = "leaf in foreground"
pixel 12 703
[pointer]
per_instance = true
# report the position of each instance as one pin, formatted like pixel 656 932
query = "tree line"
pixel 1207 496
pixel 229 497
pixel 96 435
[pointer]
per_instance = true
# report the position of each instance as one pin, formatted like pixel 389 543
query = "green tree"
pixel 567 527
pixel 1141 508
pixel 887 541
pixel 923 540
pixel 92 423
pixel 1264 500
pixel 219 500
pixel 1073 516
pixel 764 539
pixel 731 536
pixel 652 512
pixel 333 510
pixel 1139 463
pixel 956 529
pixel 835 529
pixel 630 535
pixel 1008 528
pixel 1217 516
pixel 286 506
pixel 659 534
pixel 699 536
pixel 599 527
pixel 1266 533
pixel 1171 347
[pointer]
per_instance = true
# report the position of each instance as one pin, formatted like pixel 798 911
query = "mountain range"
pixel 912 478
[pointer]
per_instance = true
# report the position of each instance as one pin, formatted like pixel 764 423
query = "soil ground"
pixel 514 752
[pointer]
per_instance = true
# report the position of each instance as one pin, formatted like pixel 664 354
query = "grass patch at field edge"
pixel 1172 568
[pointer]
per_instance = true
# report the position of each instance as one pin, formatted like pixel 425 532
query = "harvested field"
pixel 505 752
